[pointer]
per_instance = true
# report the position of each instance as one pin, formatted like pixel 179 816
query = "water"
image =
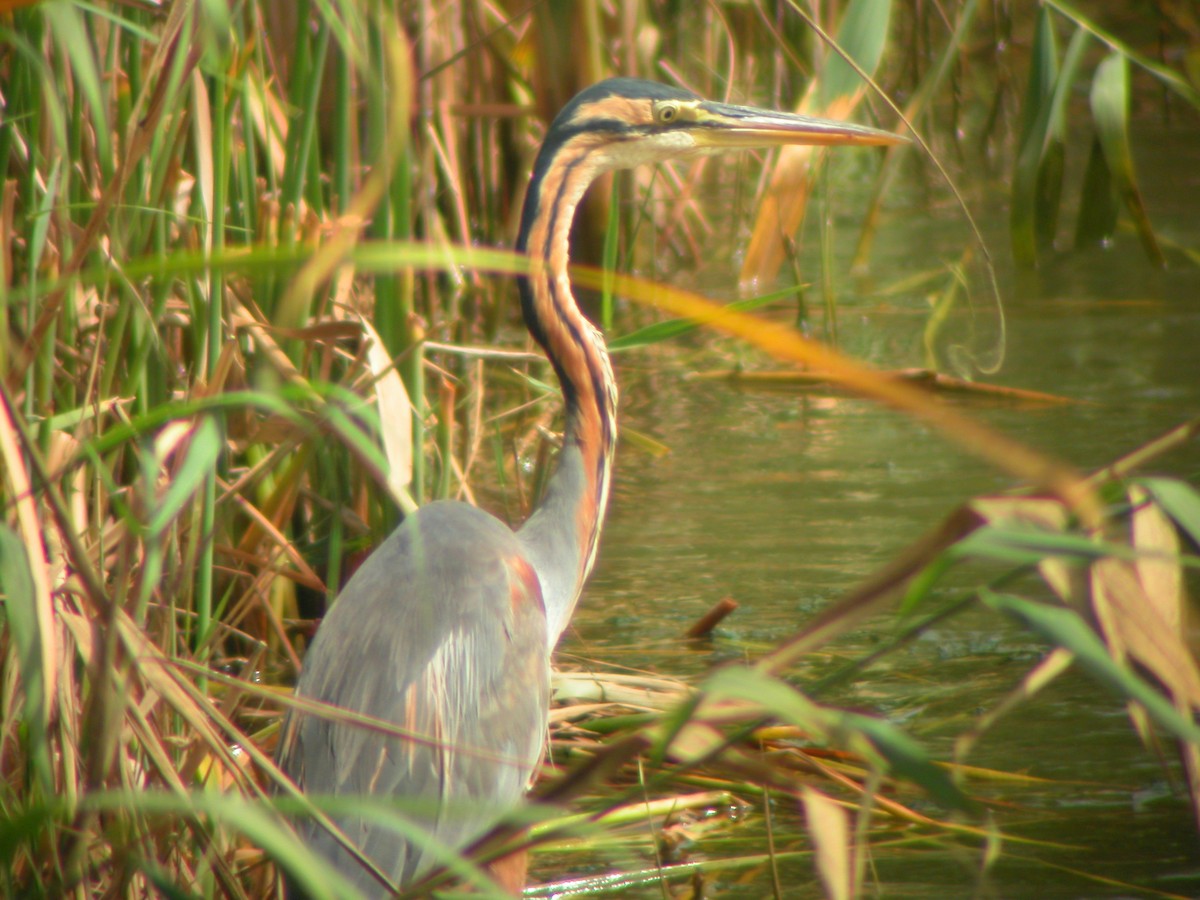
pixel 785 499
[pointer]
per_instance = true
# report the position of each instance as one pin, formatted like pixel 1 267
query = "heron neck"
pixel 562 535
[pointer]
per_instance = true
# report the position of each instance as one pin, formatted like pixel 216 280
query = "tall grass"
pixel 203 205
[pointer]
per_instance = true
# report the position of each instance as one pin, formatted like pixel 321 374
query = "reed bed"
pixel 249 321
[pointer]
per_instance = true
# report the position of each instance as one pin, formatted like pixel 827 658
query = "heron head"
pixel 625 122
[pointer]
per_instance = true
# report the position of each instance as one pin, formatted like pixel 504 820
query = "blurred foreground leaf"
pixel 1067 629
pixel 873 738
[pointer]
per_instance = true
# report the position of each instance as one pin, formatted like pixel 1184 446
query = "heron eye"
pixel 667 113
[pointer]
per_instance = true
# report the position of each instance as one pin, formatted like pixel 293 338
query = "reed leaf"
pixel 1170 79
pixel 1110 110
pixel 1180 501
pixel 1067 629
pixel 1098 204
pixel 200 205
pixel 782 207
pixel 875 739
pixel 1038 172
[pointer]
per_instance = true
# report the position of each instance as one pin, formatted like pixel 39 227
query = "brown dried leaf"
pixel 251 321
pixel 1158 566
pixel 1134 627
pixel 1047 515
pixel 164 680
pixel 395 414
pixel 29 527
pixel 786 198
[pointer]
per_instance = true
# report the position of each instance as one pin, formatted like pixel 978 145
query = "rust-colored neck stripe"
pixel 573 345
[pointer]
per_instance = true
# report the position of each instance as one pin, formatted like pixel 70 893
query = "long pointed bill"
pixel 722 126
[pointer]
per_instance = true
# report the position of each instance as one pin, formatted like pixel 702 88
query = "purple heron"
pixel 447 629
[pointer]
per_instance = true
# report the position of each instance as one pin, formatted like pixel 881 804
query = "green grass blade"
pixel 870 736
pixel 203 449
pixel 1180 501
pixel 1110 110
pixel 69 31
pixel 672 328
pixel 281 403
pixel 612 244
pixel 248 817
pixel 1098 209
pixel 1043 73
pixel 23 825
pixel 1169 78
pixel 1067 629
pixel 1018 545
pixel 27 627
pixel 862 36
pixel 1035 125
pixel 1038 171
pixel 908 759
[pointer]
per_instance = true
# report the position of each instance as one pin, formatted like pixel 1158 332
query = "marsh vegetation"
pixel 257 304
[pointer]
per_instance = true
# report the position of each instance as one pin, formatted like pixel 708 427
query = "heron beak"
pixel 726 127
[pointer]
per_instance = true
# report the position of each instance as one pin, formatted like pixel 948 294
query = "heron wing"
pixel 442 633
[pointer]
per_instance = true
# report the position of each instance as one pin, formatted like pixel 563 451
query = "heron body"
pixel 469 680
pixel 447 629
